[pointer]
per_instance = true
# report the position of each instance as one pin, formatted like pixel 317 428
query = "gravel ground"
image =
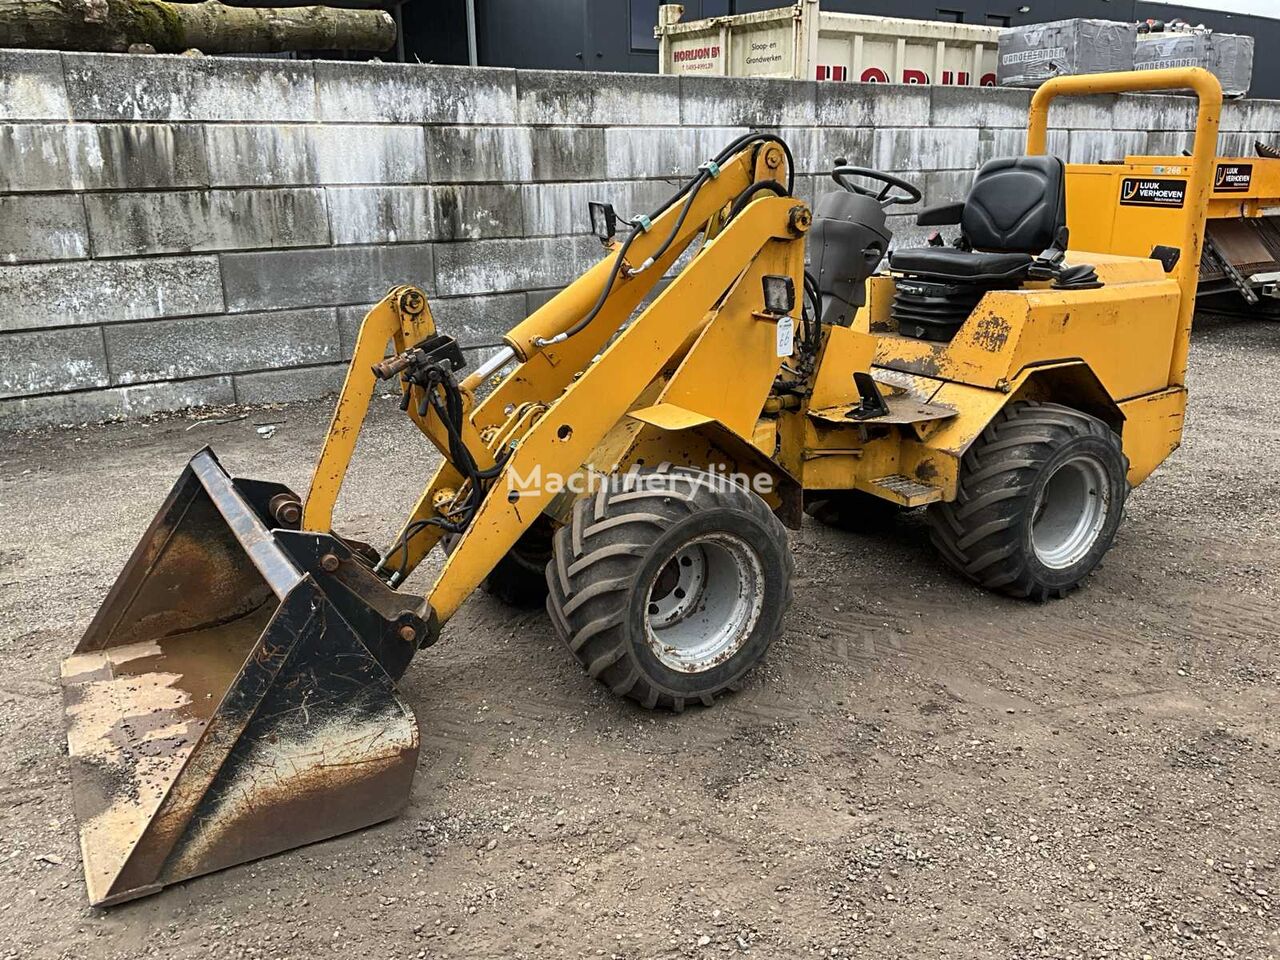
pixel 919 768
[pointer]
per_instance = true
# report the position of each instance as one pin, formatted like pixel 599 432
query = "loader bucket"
pixel 235 695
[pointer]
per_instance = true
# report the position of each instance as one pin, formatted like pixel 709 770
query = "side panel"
pixel 1153 430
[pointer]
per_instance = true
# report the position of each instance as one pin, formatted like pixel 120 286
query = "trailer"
pixel 801 42
pixel 1240 258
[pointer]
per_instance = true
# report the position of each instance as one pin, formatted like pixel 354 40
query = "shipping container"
pixel 802 42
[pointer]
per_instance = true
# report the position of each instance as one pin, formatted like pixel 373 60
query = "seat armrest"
pixel 940 216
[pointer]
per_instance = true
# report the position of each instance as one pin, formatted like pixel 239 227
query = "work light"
pixel 779 294
pixel 604 220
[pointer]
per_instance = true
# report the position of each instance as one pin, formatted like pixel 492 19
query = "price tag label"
pixel 786 336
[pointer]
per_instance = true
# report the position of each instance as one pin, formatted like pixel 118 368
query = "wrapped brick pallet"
pixel 1229 56
pixel 1034 53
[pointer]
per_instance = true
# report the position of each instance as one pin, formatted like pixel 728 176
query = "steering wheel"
pixel 909 194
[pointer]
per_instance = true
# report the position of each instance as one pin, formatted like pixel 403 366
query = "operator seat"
pixel 1013 227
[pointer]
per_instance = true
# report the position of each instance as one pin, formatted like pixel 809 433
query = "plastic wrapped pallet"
pixel 1034 53
pixel 1229 56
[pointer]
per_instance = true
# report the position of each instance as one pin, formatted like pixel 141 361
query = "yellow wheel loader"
pixel 637 466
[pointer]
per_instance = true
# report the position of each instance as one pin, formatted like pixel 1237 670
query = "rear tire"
pixel 668 586
pixel 1041 495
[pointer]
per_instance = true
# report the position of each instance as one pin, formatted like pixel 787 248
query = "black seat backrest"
pixel 1016 205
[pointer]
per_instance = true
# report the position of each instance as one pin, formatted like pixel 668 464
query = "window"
pixel 952 16
pixel 997 20
pixel 644 17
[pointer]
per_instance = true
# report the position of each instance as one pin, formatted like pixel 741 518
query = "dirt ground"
pixel 919 768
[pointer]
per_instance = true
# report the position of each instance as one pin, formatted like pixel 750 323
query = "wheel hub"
pixel 704 603
pixel 1070 511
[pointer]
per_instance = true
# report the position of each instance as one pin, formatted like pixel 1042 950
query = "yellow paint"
pixel 1153 430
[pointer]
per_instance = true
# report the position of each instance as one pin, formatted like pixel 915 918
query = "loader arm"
pixel 594 402
pixel 545 365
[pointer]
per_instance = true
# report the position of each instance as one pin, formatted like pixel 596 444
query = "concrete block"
pixel 48 157
pixel 1262 116
pixel 461 212
pixel 1056 142
pixel 130 224
pixel 939 186
pixel 924 148
pixel 1094 146
pixel 561 97
pixel 1138 111
pixel 107 291
pixel 1170 143
pixel 198 346
pixel 407 214
pixel 42 227
pixel 380 154
pixel 567 153
pixel 349 320
pixel 872 105
pixel 470 154
pixel 479 319
pixel 484 266
pixel 906 233
pixel 31 86
pixel 1083 113
pixel 124 87
pixel 1005 142
pixel 278 279
pixel 259 155
pixel 744 101
pixel 294 155
pixel 286 386
pixel 809 188
pixel 47 361
pixel 414 93
pixel 638 153
pixel 118 403
pixel 818 153
pixel 380 214
pixel 537 299
pixel 559 209
pixel 1240 115
pixel 1237 144
pixel 978 106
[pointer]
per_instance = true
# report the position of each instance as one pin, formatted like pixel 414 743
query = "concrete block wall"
pixel 203 231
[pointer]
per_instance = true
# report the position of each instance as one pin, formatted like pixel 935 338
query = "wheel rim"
pixel 704 602
pixel 1070 512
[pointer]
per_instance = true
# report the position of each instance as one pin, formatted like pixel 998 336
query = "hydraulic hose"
pixel 689 191
pixel 760 186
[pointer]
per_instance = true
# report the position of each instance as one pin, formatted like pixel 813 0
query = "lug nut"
pixel 329 563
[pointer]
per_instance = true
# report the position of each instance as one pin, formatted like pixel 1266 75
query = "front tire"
pixel 669 585
pixel 1041 495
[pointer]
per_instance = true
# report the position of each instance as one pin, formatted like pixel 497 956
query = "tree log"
pixel 211 27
